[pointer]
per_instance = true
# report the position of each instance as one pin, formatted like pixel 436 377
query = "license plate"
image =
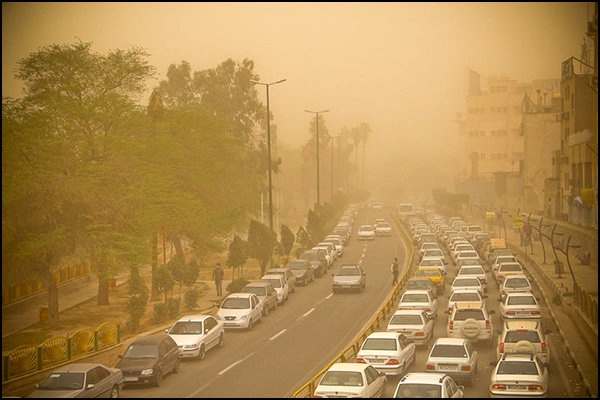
pixel 448 367
pixel 130 379
pixel 516 387
pixel 375 360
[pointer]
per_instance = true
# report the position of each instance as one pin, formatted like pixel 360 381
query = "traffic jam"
pixel 468 323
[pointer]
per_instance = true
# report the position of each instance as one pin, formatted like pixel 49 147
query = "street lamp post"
pixel 317 146
pixel 333 138
pixel 269 148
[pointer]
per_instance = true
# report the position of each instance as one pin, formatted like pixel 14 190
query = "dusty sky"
pixel 401 67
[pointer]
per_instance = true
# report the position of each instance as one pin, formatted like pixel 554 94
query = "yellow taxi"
pixel 434 275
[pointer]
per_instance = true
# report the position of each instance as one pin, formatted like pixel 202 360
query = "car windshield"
pixel 380 344
pixel 406 320
pixel 257 290
pixel 465 297
pixel 142 351
pixel 236 303
pixel 506 259
pixel 186 328
pixel 345 271
pixel 510 268
pixel 276 283
pixel 462 315
pixel 342 378
pixel 468 254
pixel 414 298
pixel 522 334
pixel 471 271
pixel 517 368
pixel 449 350
pixel 521 301
pixel 366 228
pixel 433 252
pixel 297 265
pixel 431 263
pixel 470 261
pixel 419 390
pixel 63 381
pixel 516 283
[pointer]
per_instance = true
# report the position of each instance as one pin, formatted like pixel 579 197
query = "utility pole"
pixel 269 148
pixel 317 146
pixel 332 146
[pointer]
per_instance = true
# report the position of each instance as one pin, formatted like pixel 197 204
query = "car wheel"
pixel 114 393
pixel 250 324
pixel 176 366
pixel 158 378
pixel 221 340
pixel 202 354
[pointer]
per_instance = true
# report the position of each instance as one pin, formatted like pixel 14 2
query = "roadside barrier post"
pixel 39 358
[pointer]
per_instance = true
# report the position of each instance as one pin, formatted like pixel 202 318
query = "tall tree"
pixel 261 241
pixel 287 240
pixel 237 254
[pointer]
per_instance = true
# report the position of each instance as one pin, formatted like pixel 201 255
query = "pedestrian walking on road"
pixel 395 270
pixel 218 278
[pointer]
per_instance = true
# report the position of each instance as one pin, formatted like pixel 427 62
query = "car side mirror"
pixel 461 388
pixel 90 386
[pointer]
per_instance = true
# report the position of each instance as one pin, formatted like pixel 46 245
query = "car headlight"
pixel 244 317
pixel 190 346
pixel 149 371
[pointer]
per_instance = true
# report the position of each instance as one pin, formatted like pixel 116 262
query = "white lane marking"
pixel 307 313
pixel 235 363
pixel 275 336
pixel 328 297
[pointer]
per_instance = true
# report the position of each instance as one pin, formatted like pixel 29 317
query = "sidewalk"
pixel 17 317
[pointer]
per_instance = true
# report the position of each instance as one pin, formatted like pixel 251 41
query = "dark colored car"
pixel 148 359
pixel 265 293
pixel 317 261
pixel 349 276
pixel 301 268
pixel 80 380
pixel 421 284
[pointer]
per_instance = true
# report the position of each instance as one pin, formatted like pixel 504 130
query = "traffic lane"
pixel 487 351
pixel 240 344
pixel 301 351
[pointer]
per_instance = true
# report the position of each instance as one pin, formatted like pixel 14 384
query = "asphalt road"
pixel 296 340
pixel 558 386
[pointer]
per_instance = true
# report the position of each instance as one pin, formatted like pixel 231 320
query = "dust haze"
pixel 399 67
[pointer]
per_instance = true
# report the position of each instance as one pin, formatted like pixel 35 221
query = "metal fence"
pixel 56 350
pixel 376 322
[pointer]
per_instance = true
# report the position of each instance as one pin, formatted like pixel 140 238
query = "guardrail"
pixel 25 360
pixel 388 306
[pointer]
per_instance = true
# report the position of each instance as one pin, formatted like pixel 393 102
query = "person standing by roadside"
pixel 218 278
pixel 395 270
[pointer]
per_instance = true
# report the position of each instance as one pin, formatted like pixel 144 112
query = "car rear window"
pixel 415 298
pixel 276 283
pixel 521 301
pixel 419 390
pixel 466 282
pixel 449 350
pixel 522 334
pixel 470 254
pixel 517 368
pixel 380 344
pixel 465 297
pixel 471 271
pixel 510 268
pixel 406 320
pixel 462 315
pixel 342 378
pixel 431 263
pixel 516 283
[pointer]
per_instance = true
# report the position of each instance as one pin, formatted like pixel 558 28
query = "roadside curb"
pixel 558 325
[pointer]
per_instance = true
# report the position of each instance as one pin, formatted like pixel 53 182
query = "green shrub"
pixel 160 313
pixel 236 285
pixel 190 298
pixel 172 308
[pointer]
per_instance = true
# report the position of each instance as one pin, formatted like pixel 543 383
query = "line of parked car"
pixel 149 359
pixel 521 368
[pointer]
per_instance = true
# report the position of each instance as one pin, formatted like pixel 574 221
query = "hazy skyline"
pixel 401 67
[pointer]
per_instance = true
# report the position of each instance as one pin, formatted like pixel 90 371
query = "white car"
pixel 503 259
pixel 459 296
pixel 466 255
pixel 240 310
pixel 428 246
pixel 523 336
pixel 515 284
pixel 435 253
pixel 415 325
pixel 366 232
pixel 327 252
pixel 338 242
pixel 433 262
pixel 196 334
pixel 351 380
pixel 462 247
pixel 455 357
pixel 474 270
pixel 471 322
pixel 507 268
pixel 467 282
pixel 417 385
pixel 389 352
pixel 519 375
pixel 383 229
pixel 280 285
pixel 418 300
pixel 520 306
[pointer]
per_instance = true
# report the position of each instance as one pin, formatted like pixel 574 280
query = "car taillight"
pixel 361 360
pixel 501 347
pixel 392 361
pixel 430 366
pixel 419 333
pixel 510 313
pixel 535 313
pixel 450 324
pixel 487 324
pixel 543 346
pixel 533 388
pixel 465 368
pixel 498 386
pixel 428 309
